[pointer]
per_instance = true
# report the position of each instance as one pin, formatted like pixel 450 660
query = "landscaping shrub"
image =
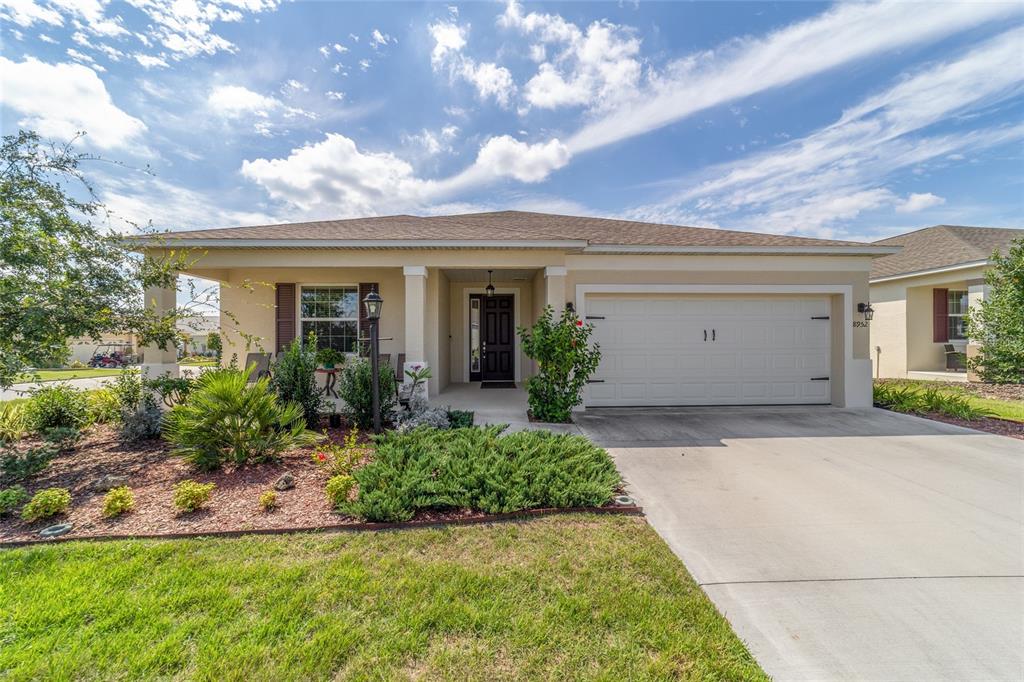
pixel 57 405
pixel 268 501
pixel 478 468
pixel 228 419
pixel 127 388
pixel 341 459
pixel 46 503
pixel 565 362
pixel 172 390
pixel 118 501
pixel 11 498
pixel 191 495
pixel 460 419
pixel 924 400
pixel 62 437
pixel 140 423
pixel 338 489
pixel 354 387
pixel 421 413
pixel 294 380
pixel 998 323
pixel 17 466
pixel 13 421
pixel 104 406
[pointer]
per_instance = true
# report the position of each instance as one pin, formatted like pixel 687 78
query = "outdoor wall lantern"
pixel 373 304
pixel 490 284
pixel 867 310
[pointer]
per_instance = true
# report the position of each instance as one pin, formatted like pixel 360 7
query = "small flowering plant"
pixel 341 459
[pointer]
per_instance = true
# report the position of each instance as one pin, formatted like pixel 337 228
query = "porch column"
pixel 977 292
pixel 156 360
pixel 554 280
pixel 415 317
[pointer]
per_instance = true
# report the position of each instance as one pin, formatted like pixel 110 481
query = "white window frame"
pixel 963 297
pixel 299 318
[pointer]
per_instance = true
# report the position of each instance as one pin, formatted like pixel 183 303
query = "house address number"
pixel 860 323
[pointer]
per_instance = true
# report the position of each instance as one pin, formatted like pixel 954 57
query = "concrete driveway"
pixel 841 545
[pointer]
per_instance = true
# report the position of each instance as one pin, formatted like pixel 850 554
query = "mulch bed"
pixel 983 390
pixel 152 473
pixel 1000 427
pixel 233 508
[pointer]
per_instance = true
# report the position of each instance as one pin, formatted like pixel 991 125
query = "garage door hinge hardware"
pixel 595 317
pixel 819 378
pixel 819 317
pixel 595 381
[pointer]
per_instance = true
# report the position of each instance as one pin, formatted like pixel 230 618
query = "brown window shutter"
pixel 285 319
pixel 364 289
pixel 940 312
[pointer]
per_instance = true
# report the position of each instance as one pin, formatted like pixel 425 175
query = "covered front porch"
pixel 459 319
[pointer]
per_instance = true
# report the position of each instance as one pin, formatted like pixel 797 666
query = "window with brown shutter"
pixel 940 310
pixel 364 329
pixel 285 315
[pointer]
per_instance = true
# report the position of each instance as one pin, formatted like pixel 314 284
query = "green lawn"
pixel 1005 409
pixel 561 598
pixel 65 374
pixel 198 362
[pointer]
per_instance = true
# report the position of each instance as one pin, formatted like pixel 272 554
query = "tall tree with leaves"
pixel 61 275
pixel 998 323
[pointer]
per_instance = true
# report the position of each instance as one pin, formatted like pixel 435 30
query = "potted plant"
pixel 330 357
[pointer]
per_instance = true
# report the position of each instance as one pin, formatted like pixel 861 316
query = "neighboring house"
pixel 83 349
pixel 921 296
pixel 196 333
pixel 684 315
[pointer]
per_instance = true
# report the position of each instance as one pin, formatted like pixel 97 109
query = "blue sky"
pixel 842 121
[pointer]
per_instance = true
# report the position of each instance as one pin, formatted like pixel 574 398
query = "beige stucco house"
pixel 921 296
pixel 684 315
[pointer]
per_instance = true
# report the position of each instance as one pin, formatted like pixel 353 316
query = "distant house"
pixel 921 296
pixel 83 349
pixel 196 332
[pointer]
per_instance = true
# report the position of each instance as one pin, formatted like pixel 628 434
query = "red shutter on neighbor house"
pixel 364 289
pixel 940 312
pixel 285 316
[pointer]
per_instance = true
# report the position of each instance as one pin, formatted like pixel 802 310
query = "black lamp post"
pixel 373 304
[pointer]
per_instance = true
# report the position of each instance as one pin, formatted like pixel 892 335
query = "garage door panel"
pixel 759 350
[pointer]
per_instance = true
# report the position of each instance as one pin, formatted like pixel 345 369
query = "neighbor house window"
pixel 956 315
pixel 332 313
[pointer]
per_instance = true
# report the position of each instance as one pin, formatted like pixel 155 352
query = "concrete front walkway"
pixel 841 545
pixel 496 406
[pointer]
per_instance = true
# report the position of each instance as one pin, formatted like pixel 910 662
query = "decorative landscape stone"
pixel 57 530
pixel 285 482
pixel 108 482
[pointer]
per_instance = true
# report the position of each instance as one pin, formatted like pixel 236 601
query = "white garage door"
pixel 710 350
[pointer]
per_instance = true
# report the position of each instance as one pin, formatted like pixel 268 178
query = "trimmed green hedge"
pixel 478 468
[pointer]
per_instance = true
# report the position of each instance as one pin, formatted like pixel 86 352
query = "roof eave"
pixel 966 265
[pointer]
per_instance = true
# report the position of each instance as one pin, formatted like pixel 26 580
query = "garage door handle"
pixel 705 336
pixel 712 334
pixel 819 378
pixel 595 317
pixel 595 381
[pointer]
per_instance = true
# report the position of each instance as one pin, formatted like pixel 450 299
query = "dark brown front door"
pixel 497 338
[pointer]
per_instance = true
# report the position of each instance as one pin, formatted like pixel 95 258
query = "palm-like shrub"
pixel 227 419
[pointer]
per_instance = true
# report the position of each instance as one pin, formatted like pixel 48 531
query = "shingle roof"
pixel 504 226
pixel 941 246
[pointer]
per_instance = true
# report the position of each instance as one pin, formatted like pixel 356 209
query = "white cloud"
pixel 335 95
pixel 291 86
pixel 150 61
pixel 25 13
pixel 739 68
pixel 504 156
pixel 449 38
pixel 597 68
pixel 919 202
pixel 84 59
pixel 450 132
pixel 58 100
pixel 334 177
pixel 364 64
pixel 836 172
pixel 378 39
pixel 185 27
pixel 489 79
pixel 91 15
pixel 325 51
pixel 235 100
pixel 47 39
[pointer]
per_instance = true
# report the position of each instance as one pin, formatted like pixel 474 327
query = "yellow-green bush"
pixel 118 501
pixel 191 495
pixel 46 503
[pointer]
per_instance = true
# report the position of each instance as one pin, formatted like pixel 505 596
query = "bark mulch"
pixel 152 473
pixel 1009 392
pixel 1000 427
